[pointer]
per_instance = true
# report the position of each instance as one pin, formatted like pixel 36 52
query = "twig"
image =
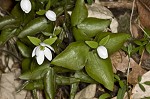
pixel 133 6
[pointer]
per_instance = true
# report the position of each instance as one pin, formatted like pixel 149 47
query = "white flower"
pixel 51 15
pixel 102 52
pixel 25 5
pixel 41 51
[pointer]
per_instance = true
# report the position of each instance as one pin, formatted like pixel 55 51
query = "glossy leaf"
pixel 7 20
pixel 73 57
pixel 92 26
pixel 34 40
pixel 62 80
pixel 84 77
pixel 49 84
pixel 37 84
pixel 6 34
pixel 121 92
pixel 19 14
pixel 26 64
pixel 50 41
pixel 115 42
pixel 74 88
pixel 92 44
pixel 104 96
pixel 35 74
pixel 79 35
pixel 33 27
pixel 100 70
pixel 24 50
pixel 104 40
pixel 79 13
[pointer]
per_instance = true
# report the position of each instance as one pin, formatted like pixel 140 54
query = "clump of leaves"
pixel 74 39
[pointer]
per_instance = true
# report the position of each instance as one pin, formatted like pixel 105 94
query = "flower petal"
pixel 102 52
pixel 34 51
pixel 51 15
pixel 25 5
pixel 40 57
pixel 48 53
pixel 51 48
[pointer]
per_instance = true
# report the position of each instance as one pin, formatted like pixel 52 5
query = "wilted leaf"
pixel 87 93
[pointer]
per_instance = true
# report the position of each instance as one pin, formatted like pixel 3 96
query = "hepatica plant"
pixel 52 43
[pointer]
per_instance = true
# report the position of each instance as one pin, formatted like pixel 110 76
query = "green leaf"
pixel 34 40
pixel 62 80
pixel 84 77
pixel 37 73
pixel 142 87
pixel 138 42
pixel 24 50
pixel 92 44
pixel 104 40
pixel 7 20
pixel 115 42
pixel 36 84
pixel 41 12
pixel 21 16
pixel 50 41
pixel 79 35
pixel 104 96
pixel 79 13
pixel 48 4
pixel 100 70
pixel 35 26
pixel 6 34
pixel 139 78
pixel 121 92
pixel 73 57
pixel 147 83
pixel 90 1
pixel 148 48
pixel 26 64
pixel 49 84
pixel 92 26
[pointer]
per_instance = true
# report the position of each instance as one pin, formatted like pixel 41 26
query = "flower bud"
pixel 102 52
pixel 51 15
pixel 25 5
